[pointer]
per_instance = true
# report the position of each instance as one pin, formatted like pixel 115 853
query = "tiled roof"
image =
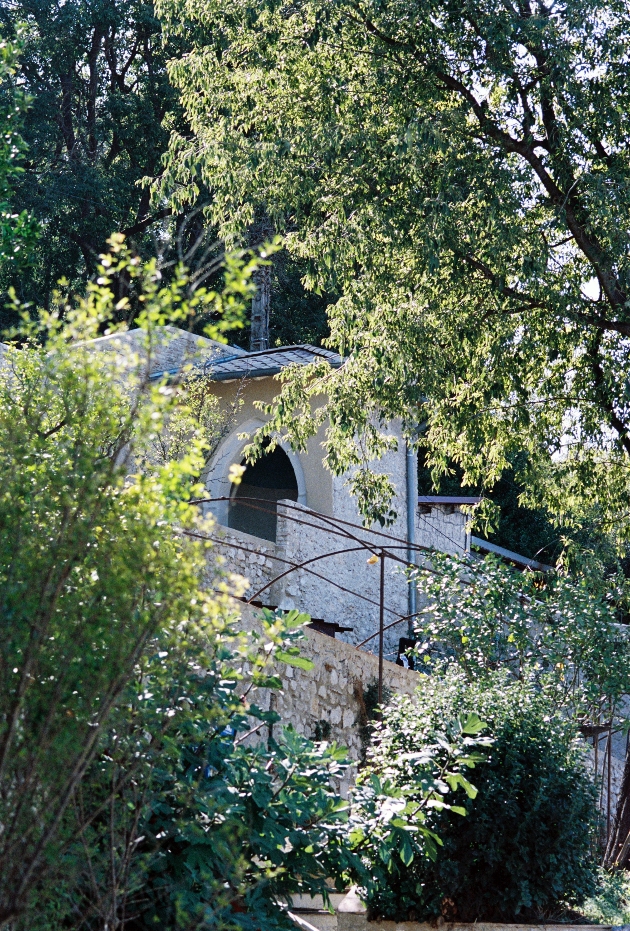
pixel 266 362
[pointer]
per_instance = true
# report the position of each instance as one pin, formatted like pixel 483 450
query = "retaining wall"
pixel 328 699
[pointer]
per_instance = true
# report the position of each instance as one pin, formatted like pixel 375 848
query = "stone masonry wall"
pixel 247 556
pixel 442 527
pixel 332 693
pixel 345 587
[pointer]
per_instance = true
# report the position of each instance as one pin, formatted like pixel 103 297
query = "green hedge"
pixel 525 849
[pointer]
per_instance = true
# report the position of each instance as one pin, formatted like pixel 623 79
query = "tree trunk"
pixel 618 847
pixel 261 302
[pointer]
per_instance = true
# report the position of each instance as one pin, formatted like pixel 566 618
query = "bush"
pixel 525 848
pixel 182 822
pixel 610 904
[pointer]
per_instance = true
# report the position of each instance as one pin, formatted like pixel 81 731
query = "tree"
pixel 553 631
pixel 559 634
pixel 457 171
pixel 525 850
pixel 98 122
pixel 583 548
pixel 94 556
pixel 101 110
pixel 132 786
pixel 186 819
pixel 17 231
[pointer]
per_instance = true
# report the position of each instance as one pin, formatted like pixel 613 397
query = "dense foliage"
pixel 185 821
pixel 98 122
pixel 391 820
pixel 524 850
pixel 100 111
pixel 555 631
pixel 457 176
pixel 17 230
pixel 201 811
pixel 93 563
pixel 457 172
pixel 530 531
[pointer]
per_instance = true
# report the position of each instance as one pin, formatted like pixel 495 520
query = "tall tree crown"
pixel 459 172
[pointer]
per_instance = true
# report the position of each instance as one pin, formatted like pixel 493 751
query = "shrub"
pixel 524 849
pixel 182 822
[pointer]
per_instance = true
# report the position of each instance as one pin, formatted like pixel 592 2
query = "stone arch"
pixel 230 453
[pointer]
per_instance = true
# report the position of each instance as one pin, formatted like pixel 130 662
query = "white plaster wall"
pixel 250 392
pixel 342 588
pixel 394 465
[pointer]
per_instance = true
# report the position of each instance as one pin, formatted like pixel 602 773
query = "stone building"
pixel 291 527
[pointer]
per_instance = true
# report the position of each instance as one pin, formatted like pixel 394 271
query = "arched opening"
pixel 268 480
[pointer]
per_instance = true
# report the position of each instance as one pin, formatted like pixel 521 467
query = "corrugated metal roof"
pixel 446 499
pixel 267 362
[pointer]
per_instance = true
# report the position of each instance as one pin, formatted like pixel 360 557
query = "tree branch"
pixel 563 200
pixel 528 303
pixel 603 395
pixel 142 225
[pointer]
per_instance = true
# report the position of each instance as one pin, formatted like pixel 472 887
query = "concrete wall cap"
pixel 352 921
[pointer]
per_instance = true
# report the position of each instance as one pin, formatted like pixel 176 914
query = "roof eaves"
pixel 522 561
pixel 247 373
pixel 212 367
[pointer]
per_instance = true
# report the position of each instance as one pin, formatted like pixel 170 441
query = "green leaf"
pixel 262 681
pixel 406 851
pixel 302 662
pixel 473 724
pixel 296 618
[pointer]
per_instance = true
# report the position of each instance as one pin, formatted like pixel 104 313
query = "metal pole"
pixel 381 624
pixel 412 504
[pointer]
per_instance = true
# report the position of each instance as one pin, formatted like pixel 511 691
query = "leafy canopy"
pixel 189 816
pixel 458 171
pixel 100 108
pixel 18 231
pixel 554 632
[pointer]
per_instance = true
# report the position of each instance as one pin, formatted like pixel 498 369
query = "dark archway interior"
pixel 268 480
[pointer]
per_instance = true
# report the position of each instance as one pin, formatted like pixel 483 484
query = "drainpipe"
pixel 412 504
